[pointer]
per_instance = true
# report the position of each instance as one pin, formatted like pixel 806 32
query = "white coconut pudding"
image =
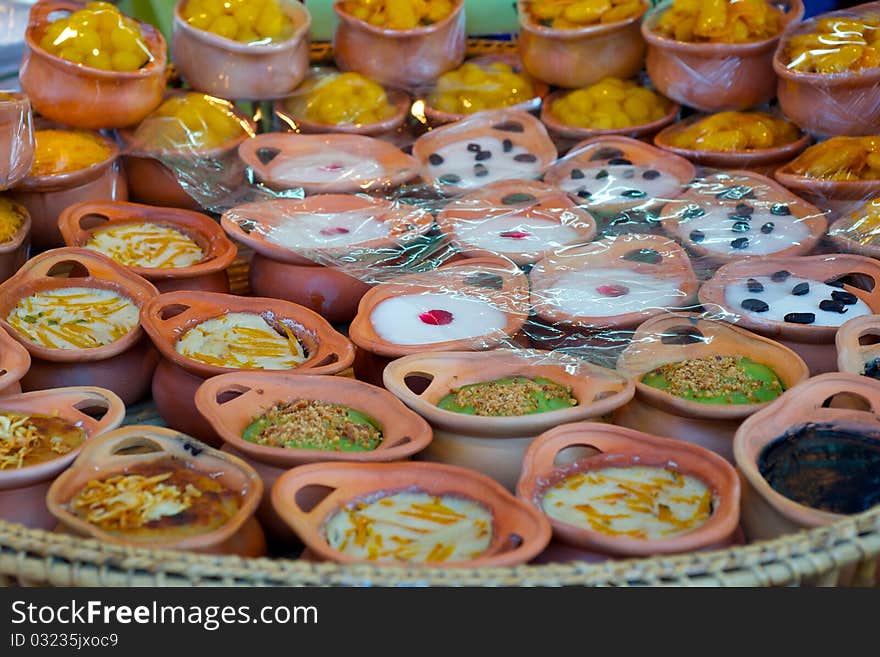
pixel 620 181
pixel 329 165
pixel 481 160
pixel 331 229
pixel 433 317
pixel 606 292
pixel 784 297
pixel 518 233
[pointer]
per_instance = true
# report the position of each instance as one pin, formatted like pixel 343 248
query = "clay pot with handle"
pixel 16 138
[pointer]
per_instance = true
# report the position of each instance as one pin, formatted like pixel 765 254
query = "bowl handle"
pixel 97 266
pixel 305 497
pixel 81 398
pixel 112 446
pixel 333 350
pixel 822 388
pixel 40 12
pixel 162 310
pixel 218 391
pixel 395 376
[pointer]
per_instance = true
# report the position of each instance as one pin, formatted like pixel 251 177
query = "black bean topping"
pixel 744 209
pixel 768 228
pixel 755 305
pixel 525 157
pixel 619 161
pixel 739 217
pixel 833 282
pixel 832 306
pixel 740 227
pixel 602 174
pixel 800 318
pixel 583 193
pixel 266 155
pixel 482 156
pixel 450 178
pixel 693 211
pixel 740 243
pixel 800 289
pixel 736 193
pixel 697 236
pixel 607 153
pixel 507 145
pixel 651 174
pixel 872 369
pixel 780 210
pixel 435 159
pixel 485 279
pixel 633 193
pixel 754 286
pixel 628 174
pixel 576 174
pixel 649 256
pixel 474 148
pixel 480 170
pixel 844 297
pixel 509 126
pixel 517 198
pixel 780 276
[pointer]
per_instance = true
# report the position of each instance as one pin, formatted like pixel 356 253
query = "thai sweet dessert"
pixel 736 131
pixel 411 526
pixel 840 158
pixel 610 104
pixel 836 45
pixel 400 14
pixel 12 217
pixel 478 161
pixel 191 121
pixel 29 438
pixel 573 14
pixel 342 99
pixel 639 501
pixel 63 151
pixel 146 245
pixel 510 396
pixel 248 21
pixel 720 21
pixel 717 379
pixel 476 87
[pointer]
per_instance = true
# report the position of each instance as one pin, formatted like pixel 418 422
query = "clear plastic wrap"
pixel 16 138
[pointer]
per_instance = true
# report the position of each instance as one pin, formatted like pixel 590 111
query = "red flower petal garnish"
pixel 336 230
pixel 515 234
pixel 331 167
pixel 436 317
pixel 612 290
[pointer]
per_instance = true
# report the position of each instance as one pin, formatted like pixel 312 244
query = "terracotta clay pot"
pixel 495 445
pixel 230 402
pixel 573 174
pixel 14 252
pixel 715 76
pixel 23 490
pixel 79 222
pixel 815 344
pixel 494 284
pixel 760 160
pixel 269 154
pixel 437 117
pixel 843 103
pixel 15 361
pixel 167 317
pixel 857 345
pixel 521 129
pixel 654 268
pixel 676 337
pixel 766 513
pixel 242 71
pixel 400 58
pixel 621 447
pixel 84 97
pixel 343 483
pixel 720 196
pixel 16 138
pixel 562 130
pixel 313 276
pixel 115 452
pixel 581 56
pixel 45 197
pixel 524 212
pixel 856 232
pixel 124 366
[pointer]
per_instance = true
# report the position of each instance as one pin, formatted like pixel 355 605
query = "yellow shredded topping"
pixel 30 439
pixel 62 151
pixel 12 217
pixel 146 245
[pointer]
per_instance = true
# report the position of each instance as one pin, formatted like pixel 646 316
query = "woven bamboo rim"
pixel 845 553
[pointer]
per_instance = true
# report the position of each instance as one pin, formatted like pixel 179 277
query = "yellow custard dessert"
pixel 151 246
pixel 344 99
pixel 720 21
pixel 400 14
pixel 242 341
pixel 98 36
pixel 840 158
pixel 609 104
pixel 63 151
pixel 572 14
pixel 29 438
pixel 835 46
pixel 247 21
pixel 12 217
pixel 736 131
pixel 74 317
pixel 192 121
pixel 476 87
pixel 411 527
pixel 638 501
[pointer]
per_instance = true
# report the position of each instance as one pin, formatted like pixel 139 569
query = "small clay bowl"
pixel 16 138
pixel 168 316
pixel 495 445
pixel 267 155
pixel 79 222
pixel 492 285
pixel 760 160
pixel 676 337
pixel 437 117
pixel 581 56
pixel 857 346
pixel 620 152
pixel 316 277
pixel 562 130
pixel 15 361
pixel 242 71
pixel 850 235
pixel 519 532
pixel 815 344
pixel 640 262
pixel 230 402
pixel 123 366
pixel 138 445
pixel 715 76
pixel 400 58
pixel 14 252
pixel 829 104
pixel 614 447
pixel 46 197
pixel 766 513
pixel 523 131
pixel 513 204
pixel 23 490
pixel 84 97
pixel 720 196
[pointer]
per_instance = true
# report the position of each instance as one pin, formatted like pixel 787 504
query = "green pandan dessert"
pixel 717 380
pixel 508 397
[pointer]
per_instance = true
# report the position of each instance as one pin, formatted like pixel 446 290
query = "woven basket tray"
pixel 845 553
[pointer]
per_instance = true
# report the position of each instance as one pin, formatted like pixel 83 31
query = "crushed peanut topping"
pixel 146 245
pixel 509 396
pixel 30 439
pixel 311 424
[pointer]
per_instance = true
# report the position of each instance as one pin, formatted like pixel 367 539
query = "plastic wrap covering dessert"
pixel 16 138
pixel 256 21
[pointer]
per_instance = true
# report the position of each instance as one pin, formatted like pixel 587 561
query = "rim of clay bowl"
pixel 852 355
